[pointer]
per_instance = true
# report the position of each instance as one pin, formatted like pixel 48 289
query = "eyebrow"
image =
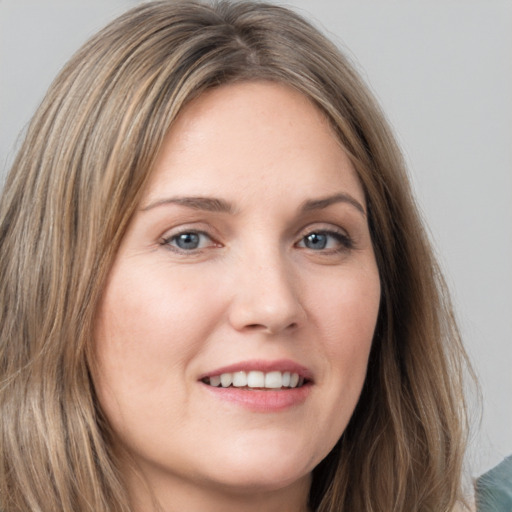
pixel 325 202
pixel 216 205
pixel 209 204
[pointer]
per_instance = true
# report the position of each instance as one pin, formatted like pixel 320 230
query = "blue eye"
pixel 188 241
pixel 316 241
pixel 322 240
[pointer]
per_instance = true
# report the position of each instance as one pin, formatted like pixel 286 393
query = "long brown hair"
pixel 70 195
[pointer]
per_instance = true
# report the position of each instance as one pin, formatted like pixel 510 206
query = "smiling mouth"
pixel 257 380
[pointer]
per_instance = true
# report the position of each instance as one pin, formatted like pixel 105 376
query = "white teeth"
pixel 257 379
pixel 226 379
pixel 273 380
pixel 215 381
pixel 239 379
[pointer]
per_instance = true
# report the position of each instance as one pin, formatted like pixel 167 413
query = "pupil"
pixel 188 241
pixel 316 241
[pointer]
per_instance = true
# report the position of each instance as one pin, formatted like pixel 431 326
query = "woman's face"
pixel 250 260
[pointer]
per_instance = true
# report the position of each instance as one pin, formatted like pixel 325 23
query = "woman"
pixel 217 291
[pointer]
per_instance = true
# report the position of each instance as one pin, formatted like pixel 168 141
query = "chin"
pixel 261 482
pixel 248 471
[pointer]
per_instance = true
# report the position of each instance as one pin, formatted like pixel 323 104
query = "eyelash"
pixel 343 241
pixel 167 241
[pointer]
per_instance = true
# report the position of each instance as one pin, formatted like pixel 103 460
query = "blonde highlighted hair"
pixel 71 192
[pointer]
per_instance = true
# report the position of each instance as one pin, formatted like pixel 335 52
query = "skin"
pixel 255 288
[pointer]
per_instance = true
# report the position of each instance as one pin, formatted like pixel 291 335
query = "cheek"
pixel 347 310
pixel 147 312
pixel 143 335
pixel 144 340
pixel 346 316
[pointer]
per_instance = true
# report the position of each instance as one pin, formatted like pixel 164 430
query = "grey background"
pixel 442 71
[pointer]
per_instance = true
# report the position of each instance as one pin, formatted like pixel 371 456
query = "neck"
pixel 176 496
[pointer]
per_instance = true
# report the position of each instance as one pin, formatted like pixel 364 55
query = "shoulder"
pixel 494 488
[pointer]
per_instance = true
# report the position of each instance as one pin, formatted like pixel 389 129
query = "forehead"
pixel 252 134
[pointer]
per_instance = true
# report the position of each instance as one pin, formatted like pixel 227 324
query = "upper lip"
pixel 281 365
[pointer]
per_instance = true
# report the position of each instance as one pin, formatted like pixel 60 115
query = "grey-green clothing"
pixel 494 489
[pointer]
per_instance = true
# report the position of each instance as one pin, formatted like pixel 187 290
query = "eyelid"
pixel 322 227
pixel 172 234
pixel 341 235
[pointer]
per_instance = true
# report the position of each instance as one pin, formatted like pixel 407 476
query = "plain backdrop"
pixel 442 70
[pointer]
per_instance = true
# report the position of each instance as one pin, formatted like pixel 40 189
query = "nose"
pixel 266 298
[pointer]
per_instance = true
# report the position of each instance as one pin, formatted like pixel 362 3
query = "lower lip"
pixel 262 401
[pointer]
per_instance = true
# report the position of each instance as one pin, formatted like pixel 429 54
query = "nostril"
pixel 255 327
